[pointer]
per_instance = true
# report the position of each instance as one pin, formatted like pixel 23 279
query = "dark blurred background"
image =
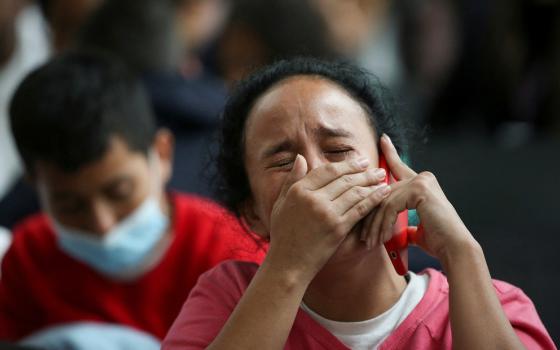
pixel 478 82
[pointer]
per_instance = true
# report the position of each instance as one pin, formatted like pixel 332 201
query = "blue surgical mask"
pixel 124 247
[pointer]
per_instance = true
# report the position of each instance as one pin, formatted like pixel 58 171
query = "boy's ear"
pixel 253 220
pixel 164 144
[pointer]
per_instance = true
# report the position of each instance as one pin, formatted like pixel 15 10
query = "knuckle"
pixel 315 206
pixel 331 169
pixel 297 190
pixel 337 223
pixel 360 192
pixel 421 183
pixel 428 175
pixel 347 179
pixel 362 209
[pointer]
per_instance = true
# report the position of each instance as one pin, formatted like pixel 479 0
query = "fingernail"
pixel 388 138
pixel 362 162
pixel 384 190
pixel 380 173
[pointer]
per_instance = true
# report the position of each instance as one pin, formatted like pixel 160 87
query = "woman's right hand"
pixel 316 210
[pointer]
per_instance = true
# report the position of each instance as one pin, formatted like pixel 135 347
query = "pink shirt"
pixel 217 292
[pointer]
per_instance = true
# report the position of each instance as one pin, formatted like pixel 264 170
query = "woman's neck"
pixel 355 289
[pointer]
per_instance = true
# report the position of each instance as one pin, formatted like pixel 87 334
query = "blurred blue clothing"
pixel 191 109
pixel 186 103
pixel 92 336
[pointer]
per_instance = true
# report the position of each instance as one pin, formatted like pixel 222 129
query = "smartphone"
pixel 397 246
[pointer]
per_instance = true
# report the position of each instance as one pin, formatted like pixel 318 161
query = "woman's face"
pixel 300 115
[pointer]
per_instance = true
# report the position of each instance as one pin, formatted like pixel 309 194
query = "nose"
pixel 102 219
pixel 314 160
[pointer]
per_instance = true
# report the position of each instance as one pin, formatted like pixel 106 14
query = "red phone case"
pixel 402 234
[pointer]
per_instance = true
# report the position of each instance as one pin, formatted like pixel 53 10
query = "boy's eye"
pixel 121 189
pixel 70 207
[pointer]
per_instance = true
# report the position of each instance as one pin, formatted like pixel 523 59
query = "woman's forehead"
pixel 305 101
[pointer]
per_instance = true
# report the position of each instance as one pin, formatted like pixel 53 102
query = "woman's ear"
pixel 253 220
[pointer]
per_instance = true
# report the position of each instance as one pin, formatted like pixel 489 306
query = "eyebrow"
pixel 320 132
pixel 323 131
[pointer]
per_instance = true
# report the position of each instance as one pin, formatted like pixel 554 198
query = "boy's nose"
pixel 102 219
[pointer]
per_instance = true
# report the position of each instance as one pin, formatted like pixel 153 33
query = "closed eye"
pixel 282 163
pixel 338 154
pixel 339 151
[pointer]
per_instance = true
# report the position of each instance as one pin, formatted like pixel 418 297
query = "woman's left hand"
pixel 443 229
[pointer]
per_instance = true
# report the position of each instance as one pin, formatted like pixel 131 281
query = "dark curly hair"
pixel 233 184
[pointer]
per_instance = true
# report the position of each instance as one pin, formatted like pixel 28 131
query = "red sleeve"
pixel 18 316
pixel 214 234
pixel 523 316
pixel 209 305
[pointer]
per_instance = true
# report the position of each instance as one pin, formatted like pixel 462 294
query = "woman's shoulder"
pixel 223 284
pixel 231 272
pixel 210 304
pixel 505 291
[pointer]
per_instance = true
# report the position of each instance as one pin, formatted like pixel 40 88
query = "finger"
pixel 322 176
pixel 366 225
pixel 397 167
pixel 365 206
pixel 353 196
pixel 344 183
pixel 372 232
pixel 375 227
pixel 366 229
pixel 387 224
pixel 386 217
pixel 297 173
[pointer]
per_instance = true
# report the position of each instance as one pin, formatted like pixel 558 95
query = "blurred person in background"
pixel 483 69
pixel 257 33
pixel 367 32
pixel 160 41
pixel 45 27
pixel 201 23
pixel 113 255
pixel 65 19
pixel 149 36
pixel 23 45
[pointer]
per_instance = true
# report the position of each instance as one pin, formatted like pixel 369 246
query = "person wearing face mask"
pixel 112 246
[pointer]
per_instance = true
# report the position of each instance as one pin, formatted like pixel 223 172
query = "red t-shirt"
pixel 218 291
pixel 42 286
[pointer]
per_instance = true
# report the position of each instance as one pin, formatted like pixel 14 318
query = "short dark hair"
pixel 232 181
pixel 66 111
